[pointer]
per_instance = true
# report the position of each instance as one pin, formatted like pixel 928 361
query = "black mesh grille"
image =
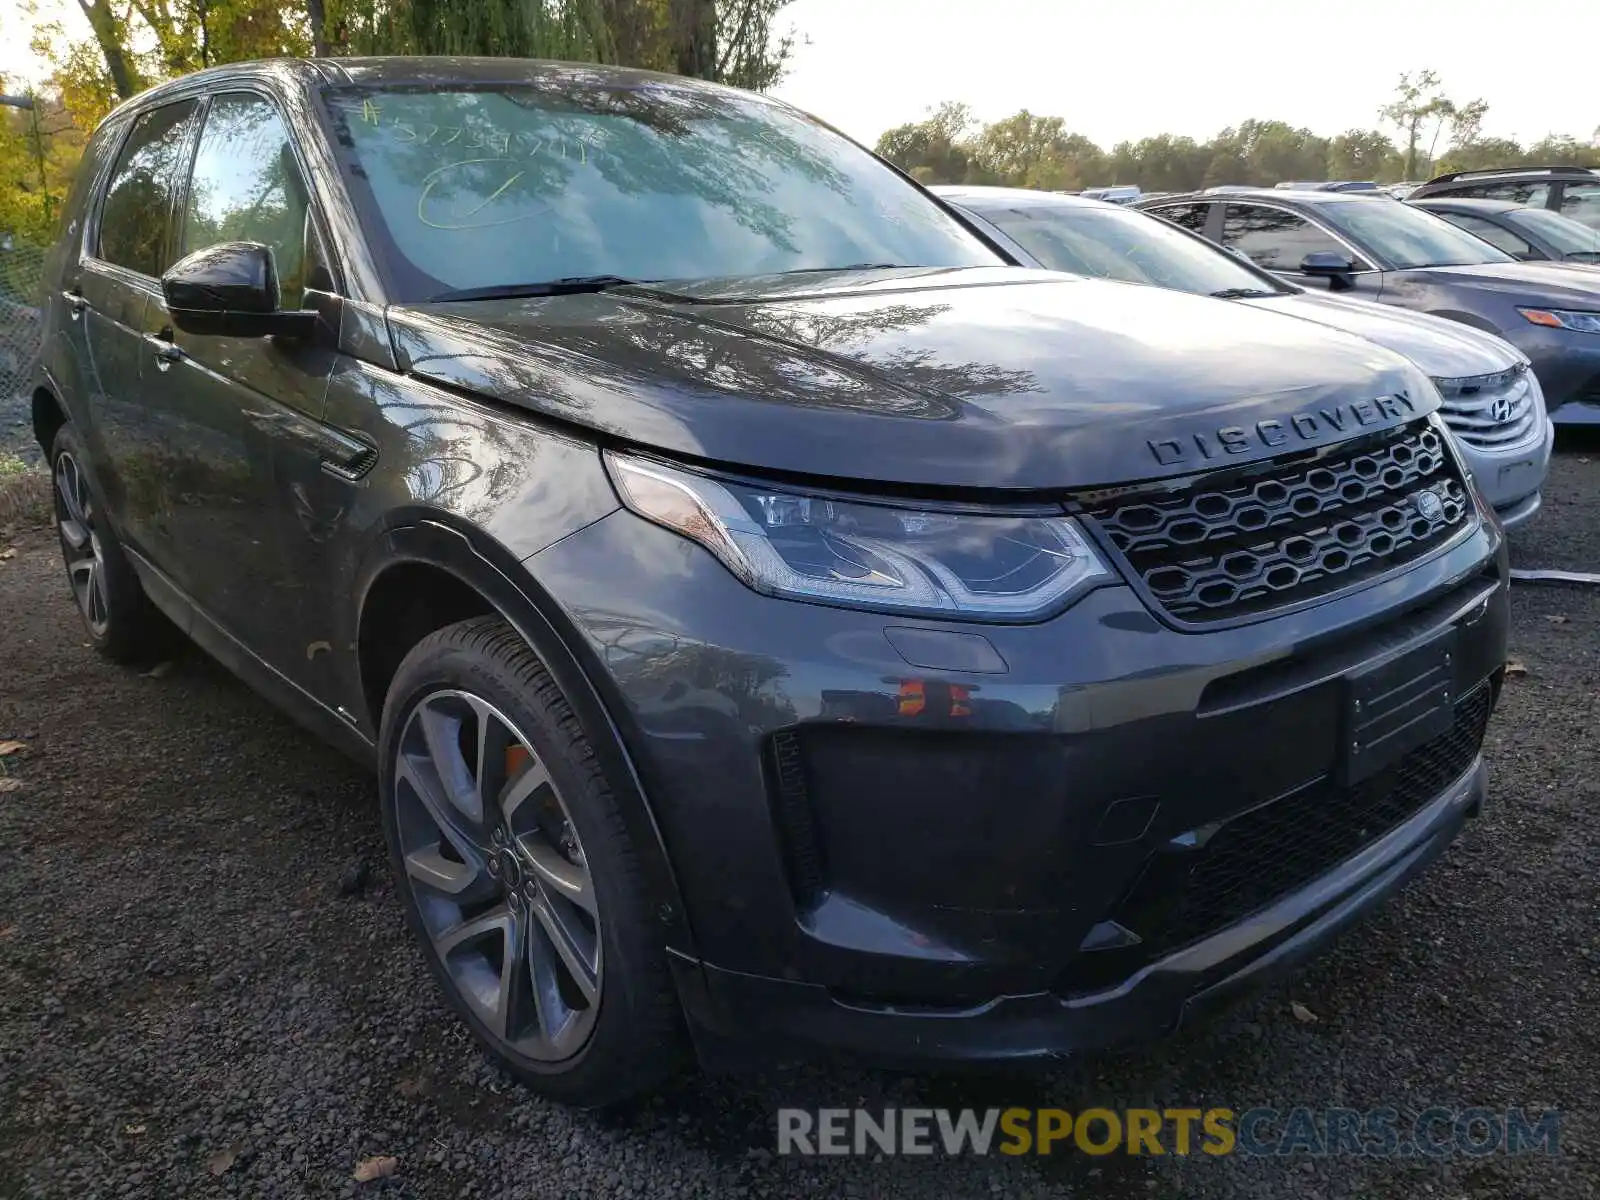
pixel 1280 847
pixel 1247 542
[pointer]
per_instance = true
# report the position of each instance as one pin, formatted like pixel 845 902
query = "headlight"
pixel 1555 318
pixel 995 567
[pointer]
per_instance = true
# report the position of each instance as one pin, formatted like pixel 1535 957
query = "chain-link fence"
pixel 21 324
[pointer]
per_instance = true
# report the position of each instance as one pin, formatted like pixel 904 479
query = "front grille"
pixel 1260 856
pixel 1490 411
pixel 1244 543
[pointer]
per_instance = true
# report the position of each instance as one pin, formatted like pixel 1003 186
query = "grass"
pixel 24 494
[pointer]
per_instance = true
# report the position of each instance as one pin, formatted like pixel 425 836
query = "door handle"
pixel 75 302
pixel 165 352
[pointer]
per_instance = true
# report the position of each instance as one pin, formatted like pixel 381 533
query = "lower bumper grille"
pixel 1274 850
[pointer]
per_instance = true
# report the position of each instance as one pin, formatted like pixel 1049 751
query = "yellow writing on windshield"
pixel 470 218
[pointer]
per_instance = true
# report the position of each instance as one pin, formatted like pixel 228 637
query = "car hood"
pixel 975 378
pixel 1444 349
pixel 1531 282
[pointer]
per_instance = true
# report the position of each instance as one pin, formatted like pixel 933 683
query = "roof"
pixel 408 71
pixel 1567 171
pixel 976 193
pixel 1279 196
pixel 1467 204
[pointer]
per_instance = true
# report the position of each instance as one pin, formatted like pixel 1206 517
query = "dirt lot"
pixel 205 987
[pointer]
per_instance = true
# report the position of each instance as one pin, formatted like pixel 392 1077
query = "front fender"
pixel 493 573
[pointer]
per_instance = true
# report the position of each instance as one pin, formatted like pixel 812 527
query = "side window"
pixel 1533 194
pixel 1191 216
pixel 1273 239
pixel 1496 235
pixel 246 187
pixel 134 218
pixel 1581 202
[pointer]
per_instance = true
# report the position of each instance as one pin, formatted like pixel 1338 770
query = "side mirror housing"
pixel 1325 263
pixel 230 290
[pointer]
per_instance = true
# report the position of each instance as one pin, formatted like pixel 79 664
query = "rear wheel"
pixel 517 873
pixel 121 621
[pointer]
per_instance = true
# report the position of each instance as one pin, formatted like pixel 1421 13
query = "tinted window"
pixel 1129 246
pixel 569 177
pixel 1495 235
pixel 1581 202
pixel 1191 216
pixel 246 187
pixel 1274 239
pixel 1518 193
pixel 1409 237
pixel 138 203
pixel 1571 239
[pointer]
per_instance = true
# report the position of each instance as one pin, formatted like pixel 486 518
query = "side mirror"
pixel 1326 263
pixel 230 290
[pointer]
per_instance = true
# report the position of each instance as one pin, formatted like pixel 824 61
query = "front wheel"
pixel 517 873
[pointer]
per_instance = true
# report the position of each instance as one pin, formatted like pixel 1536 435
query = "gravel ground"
pixel 205 988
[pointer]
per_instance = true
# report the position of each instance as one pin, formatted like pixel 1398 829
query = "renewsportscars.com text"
pixel 1379 1132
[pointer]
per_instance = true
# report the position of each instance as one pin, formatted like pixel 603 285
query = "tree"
pixel 1025 150
pixel 935 148
pixel 1360 154
pixel 1418 102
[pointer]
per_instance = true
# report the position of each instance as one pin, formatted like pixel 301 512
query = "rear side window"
pixel 1495 235
pixel 1526 192
pixel 1274 239
pixel 1581 202
pixel 1191 216
pixel 138 205
pixel 246 187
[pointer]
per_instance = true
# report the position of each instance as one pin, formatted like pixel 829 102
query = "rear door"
pixel 1278 240
pixel 127 248
pixel 246 411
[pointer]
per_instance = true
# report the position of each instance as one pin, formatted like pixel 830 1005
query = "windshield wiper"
pixel 1586 256
pixel 1243 293
pixel 569 286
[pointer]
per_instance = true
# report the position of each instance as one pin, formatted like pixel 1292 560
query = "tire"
pixel 121 622
pixel 516 872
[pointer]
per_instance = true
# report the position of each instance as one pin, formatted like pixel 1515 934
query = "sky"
pixel 1125 69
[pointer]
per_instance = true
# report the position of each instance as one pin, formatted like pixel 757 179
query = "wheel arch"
pixel 49 415
pixel 460 576
pixel 1464 317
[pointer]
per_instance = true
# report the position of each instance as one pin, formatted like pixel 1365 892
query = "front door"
pixel 1278 240
pixel 124 254
pixel 245 410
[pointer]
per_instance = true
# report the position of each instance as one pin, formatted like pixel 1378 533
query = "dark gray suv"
pixel 776 620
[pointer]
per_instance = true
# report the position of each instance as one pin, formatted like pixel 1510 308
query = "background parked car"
pixel 1373 249
pixel 1571 191
pixel 1531 234
pixel 1492 400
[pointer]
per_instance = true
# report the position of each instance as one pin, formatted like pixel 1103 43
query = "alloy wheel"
pixel 499 876
pixel 80 544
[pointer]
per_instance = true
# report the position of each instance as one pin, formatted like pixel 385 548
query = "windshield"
pixel 1566 236
pixel 1129 246
pixel 570 176
pixel 1408 237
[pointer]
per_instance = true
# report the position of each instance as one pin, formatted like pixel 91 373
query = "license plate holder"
pixel 1393 706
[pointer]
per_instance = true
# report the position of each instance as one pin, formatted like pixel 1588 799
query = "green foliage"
pixel 1027 150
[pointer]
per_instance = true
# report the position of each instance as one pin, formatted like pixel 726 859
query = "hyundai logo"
pixel 1500 410
pixel 1429 507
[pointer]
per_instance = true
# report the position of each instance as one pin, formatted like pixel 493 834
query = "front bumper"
pixel 1158 999
pixel 880 820
pixel 1510 478
pixel 1567 364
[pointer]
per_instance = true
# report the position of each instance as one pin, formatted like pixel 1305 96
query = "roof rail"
pixel 1452 176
